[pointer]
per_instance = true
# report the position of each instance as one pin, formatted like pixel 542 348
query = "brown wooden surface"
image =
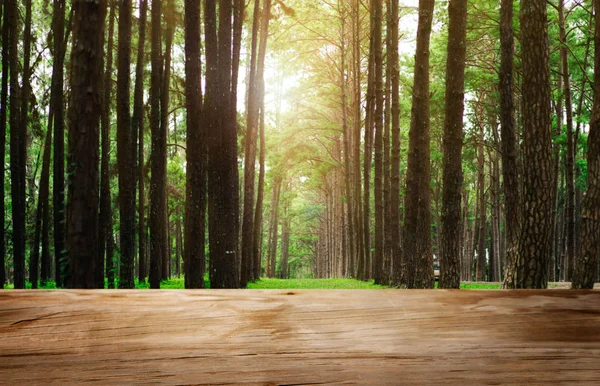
pixel 300 337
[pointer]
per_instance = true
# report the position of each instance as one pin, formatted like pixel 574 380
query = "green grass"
pixel 265 283
pixel 478 286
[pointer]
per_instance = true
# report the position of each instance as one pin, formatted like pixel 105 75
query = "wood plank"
pixel 273 337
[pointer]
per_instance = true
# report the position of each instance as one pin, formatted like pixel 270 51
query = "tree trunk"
pixel 26 90
pixel 532 263
pixel 17 158
pixel 223 186
pixel 364 263
pixel 137 127
pixel 285 244
pixel 258 213
pixel 164 122
pixel 41 218
pixel 3 114
pixel 195 204
pixel 378 143
pixel 125 149
pixel 273 225
pixel 158 156
pixel 481 259
pixel 417 250
pixel 84 116
pixel 255 96
pixel 356 129
pixel 46 274
pixel 348 162
pixel 570 159
pixel 512 197
pixel 105 200
pixel 585 265
pixel 395 161
pixel 453 139
pixel 58 184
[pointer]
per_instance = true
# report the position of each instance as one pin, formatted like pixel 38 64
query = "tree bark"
pixel 223 186
pixel 532 262
pixel 285 244
pixel 158 156
pixel 417 250
pixel 3 114
pixel 26 90
pixel 395 161
pixel 58 184
pixel 258 213
pixel 45 274
pixel 378 143
pixel 168 14
pixel 41 219
pixel 273 228
pixel 510 167
pixel 452 145
pixel 570 158
pixel 195 204
pixel 105 200
pixel 481 256
pixel 126 149
pixel 17 158
pixel 586 262
pixel 137 127
pixel 84 116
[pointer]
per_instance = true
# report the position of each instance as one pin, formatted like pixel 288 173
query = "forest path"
pixel 300 337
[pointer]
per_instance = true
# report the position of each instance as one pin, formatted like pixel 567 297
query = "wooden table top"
pixel 299 337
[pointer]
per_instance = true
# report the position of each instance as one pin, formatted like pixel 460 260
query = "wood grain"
pixel 231 337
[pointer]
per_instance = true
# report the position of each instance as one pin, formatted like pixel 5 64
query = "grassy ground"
pixel 265 283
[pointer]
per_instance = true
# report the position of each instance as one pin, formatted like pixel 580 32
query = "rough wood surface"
pixel 300 337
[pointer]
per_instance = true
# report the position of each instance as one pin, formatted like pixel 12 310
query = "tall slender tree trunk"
pixel 417 249
pixel 45 274
pixel 481 256
pixel 532 262
pixel 570 159
pixel 365 262
pixel 285 243
pixel 164 121
pixel 554 258
pixel 510 166
pixel 17 158
pixel 252 111
pixel 348 162
pixel 258 213
pixel 158 155
pixel 3 114
pixel 137 127
pixel 395 161
pixel 273 228
pixel 195 204
pixel 84 117
pixel 378 144
pixel 452 175
pixel 41 219
pixel 387 229
pixel 586 262
pixel 254 104
pixel 58 184
pixel 126 149
pixel 23 123
pixel 356 129
pixel 105 200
